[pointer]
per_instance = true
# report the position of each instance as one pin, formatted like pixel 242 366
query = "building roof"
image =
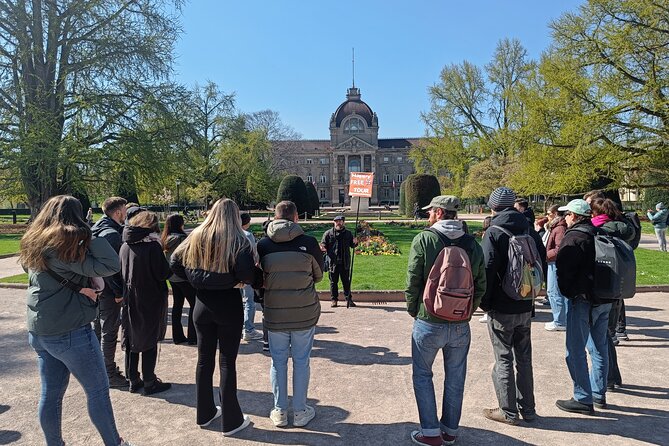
pixel 397 143
pixel 353 105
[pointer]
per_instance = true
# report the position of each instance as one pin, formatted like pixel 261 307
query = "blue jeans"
pixel 587 327
pixel 249 308
pixel 453 340
pixel 295 344
pixel 557 300
pixel 76 352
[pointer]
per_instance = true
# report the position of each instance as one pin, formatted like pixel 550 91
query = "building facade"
pixel 354 146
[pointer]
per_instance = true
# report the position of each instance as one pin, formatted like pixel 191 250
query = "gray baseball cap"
pixel 448 202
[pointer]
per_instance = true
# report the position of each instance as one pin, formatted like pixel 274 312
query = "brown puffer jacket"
pixel 557 229
pixel 292 264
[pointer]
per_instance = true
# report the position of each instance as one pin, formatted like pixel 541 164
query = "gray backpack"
pixel 524 273
pixel 615 267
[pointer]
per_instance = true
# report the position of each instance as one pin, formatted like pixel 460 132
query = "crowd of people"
pixel 112 277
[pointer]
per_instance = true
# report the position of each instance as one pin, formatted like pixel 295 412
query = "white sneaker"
pixel 484 318
pixel 552 326
pixel 303 417
pixel 241 427
pixel 252 335
pixel 279 417
pixel 219 412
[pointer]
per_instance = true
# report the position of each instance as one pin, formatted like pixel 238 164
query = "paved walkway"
pixel 361 387
pixel 9 267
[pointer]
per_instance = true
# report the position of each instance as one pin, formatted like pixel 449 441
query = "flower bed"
pixel 373 243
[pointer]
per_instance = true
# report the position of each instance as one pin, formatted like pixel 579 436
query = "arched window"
pixel 354 125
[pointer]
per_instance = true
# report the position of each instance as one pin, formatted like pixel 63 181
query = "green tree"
pixel 292 188
pixel 312 196
pixel 73 73
pixel 421 189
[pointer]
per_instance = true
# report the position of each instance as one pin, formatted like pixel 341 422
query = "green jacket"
pixel 425 248
pixel 55 309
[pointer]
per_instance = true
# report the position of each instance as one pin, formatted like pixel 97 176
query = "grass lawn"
pixel 389 272
pixel 9 243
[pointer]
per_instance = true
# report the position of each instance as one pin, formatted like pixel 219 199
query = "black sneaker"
pixel 599 403
pixel 156 387
pixel 573 406
pixel 136 386
pixel 117 381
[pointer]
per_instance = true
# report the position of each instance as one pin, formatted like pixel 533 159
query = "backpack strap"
pixel 504 230
pixel 64 282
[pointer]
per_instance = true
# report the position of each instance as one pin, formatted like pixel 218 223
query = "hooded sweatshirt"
pixel 108 229
pixel 425 248
pixel 292 264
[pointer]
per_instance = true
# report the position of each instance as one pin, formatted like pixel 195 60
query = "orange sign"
pixel 361 184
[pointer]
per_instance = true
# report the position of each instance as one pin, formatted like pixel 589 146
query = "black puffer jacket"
pixel 173 241
pixel 111 231
pixel 495 252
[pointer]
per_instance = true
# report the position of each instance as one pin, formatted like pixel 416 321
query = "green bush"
pixel 292 188
pixel 421 189
pixel 402 199
pixel 653 196
pixel 312 198
pixel 126 187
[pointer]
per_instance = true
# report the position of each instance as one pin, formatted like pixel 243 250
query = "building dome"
pixel 353 105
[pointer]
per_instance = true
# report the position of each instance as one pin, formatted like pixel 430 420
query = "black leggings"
pixel 219 317
pixel 181 290
pixel 149 358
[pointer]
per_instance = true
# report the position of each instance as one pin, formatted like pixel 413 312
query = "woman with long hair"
pixel 557 227
pixel 61 258
pixel 144 319
pixel 173 235
pixel 217 260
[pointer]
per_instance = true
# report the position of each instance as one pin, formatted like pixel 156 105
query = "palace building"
pixel 354 146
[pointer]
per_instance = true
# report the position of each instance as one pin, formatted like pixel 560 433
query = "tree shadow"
pixel 8 437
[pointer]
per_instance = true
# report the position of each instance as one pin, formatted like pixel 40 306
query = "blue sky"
pixel 294 57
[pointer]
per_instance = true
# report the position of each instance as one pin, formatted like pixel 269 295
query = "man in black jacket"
pixel 337 243
pixel 508 319
pixel 587 317
pixel 110 228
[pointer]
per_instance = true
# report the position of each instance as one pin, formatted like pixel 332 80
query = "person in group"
pixel 250 332
pixel 607 217
pixel 416 212
pixel 217 260
pixel 523 206
pixel 173 235
pixel 487 221
pixel 587 318
pixel 556 230
pixel 108 322
pixel 292 264
pixel 61 257
pixel 432 334
pixel 89 217
pixel 659 221
pixel 337 242
pixel 540 227
pixel 508 319
pixel 133 209
pixel 144 318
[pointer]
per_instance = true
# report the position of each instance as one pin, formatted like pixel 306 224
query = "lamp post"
pixel 178 184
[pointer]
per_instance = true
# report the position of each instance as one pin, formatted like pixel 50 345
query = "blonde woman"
pixel 145 272
pixel 61 258
pixel 217 260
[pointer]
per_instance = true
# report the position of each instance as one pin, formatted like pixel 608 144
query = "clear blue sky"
pixel 294 57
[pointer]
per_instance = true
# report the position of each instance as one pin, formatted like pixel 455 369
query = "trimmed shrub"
pixel 402 199
pixel 292 188
pixel 653 195
pixel 126 187
pixel 421 189
pixel 312 198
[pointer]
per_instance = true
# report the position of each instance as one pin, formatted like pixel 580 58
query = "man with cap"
pixel 337 243
pixel 508 319
pixel 431 334
pixel 587 317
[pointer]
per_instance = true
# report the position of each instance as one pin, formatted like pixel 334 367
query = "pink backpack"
pixel 449 291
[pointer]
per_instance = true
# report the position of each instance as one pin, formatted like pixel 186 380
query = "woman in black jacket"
pixel 173 235
pixel 144 319
pixel 217 260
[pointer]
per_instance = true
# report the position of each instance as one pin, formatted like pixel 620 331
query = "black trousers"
pixel 181 291
pixel 345 275
pixel 219 317
pixel 149 358
pixel 614 376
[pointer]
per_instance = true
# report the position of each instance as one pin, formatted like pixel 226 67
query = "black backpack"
pixel 632 219
pixel 615 267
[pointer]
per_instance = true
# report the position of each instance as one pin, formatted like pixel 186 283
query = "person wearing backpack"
pixel 587 316
pixel 509 312
pixel 442 299
pixel 659 220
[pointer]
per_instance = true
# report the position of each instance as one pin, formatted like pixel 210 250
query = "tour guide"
pixel 337 244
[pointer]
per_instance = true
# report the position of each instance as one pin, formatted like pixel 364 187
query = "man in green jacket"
pixel 431 334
